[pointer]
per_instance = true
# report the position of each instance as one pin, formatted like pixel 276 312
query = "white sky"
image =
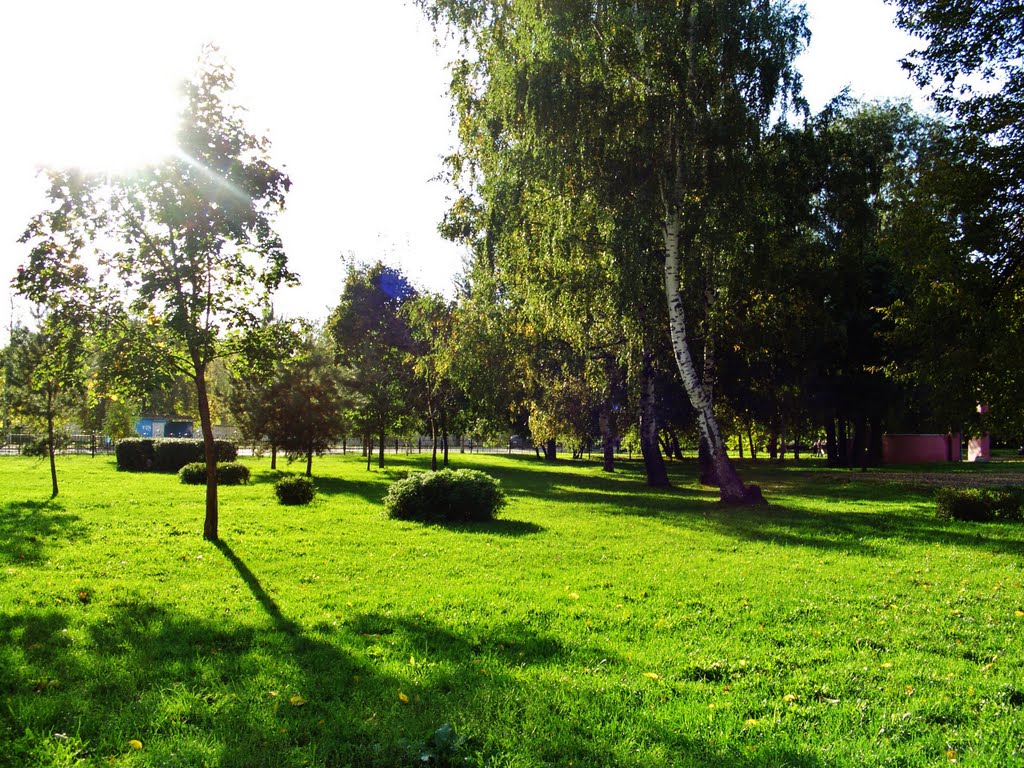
pixel 351 94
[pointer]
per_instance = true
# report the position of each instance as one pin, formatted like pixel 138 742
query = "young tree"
pixel 307 400
pixel 46 376
pixel 371 336
pixel 196 254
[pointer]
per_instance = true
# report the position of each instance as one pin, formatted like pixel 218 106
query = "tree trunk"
pixel 705 464
pixel 750 439
pixel 739 443
pixel 551 450
pixel 831 444
pixel 51 448
pixel 608 436
pixel 273 456
pixel 444 436
pixel 210 450
pixel 731 488
pixel 433 441
pixel 368 451
pixel 380 451
pixel 309 461
pixel 654 462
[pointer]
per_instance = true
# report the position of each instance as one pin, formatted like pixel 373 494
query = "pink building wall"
pixel 920 449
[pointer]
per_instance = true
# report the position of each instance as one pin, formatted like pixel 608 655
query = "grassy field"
pixel 597 623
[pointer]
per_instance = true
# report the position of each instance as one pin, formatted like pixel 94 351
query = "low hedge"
pixel 294 489
pixel 447 496
pixel 229 473
pixel 142 454
pixel 980 505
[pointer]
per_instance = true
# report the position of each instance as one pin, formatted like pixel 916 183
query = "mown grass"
pixel 597 623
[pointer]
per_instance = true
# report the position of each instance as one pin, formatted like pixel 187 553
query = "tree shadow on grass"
pixel 267 689
pixel 27 526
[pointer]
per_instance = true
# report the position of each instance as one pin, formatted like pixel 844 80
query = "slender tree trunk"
pixel 433 441
pixel 831 442
pixel 444 436
pixel 750 439
pixel 51 439
pixel 654 462
pixel 273 456
pixel 368 451
pixel 210 450
pixel 739 443
pixel 731 489
pixel 608 437
pixel 380 450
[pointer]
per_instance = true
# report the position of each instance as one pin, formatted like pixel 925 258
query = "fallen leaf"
pixel 135 744
pixel 403 698
pixel 296 701
pixel 789 698
pixel 652 675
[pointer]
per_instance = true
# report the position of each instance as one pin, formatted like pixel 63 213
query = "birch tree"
pixel 662 105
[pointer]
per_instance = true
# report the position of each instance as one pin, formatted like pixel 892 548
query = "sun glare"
pixel 111 135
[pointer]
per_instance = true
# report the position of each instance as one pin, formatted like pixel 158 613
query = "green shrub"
pixel 135 454
pixel 980 504
pixel 171 454
pixel 294 489
pixel 229 473
pixel 448 496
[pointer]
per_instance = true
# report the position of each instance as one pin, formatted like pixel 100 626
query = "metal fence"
pixel 18 443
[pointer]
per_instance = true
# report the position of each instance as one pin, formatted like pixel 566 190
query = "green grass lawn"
pixel 597 623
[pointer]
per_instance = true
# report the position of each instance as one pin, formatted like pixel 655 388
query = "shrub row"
pixel 980 504
pixel 145 454
pixel 447 496
pixel 229 473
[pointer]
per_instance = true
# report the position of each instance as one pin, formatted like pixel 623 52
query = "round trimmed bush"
pixel 229 473
pixel 447 496
pixel 294 489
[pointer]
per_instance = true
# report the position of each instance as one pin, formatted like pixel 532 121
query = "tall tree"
pixel 663 103
pixel 371 336
pixel 195 250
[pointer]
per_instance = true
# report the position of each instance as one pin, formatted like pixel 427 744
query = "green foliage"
pixel 229 473
pixel 171 454
pixel 371 335
pixel 40 446
pixel 294 490
pixel 135 454
pixel 167 454
pixel 447 496
pixel 980 505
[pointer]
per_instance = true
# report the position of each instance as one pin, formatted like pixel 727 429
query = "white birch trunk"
pixel 730 486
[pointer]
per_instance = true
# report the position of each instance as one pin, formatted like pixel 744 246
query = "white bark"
pixel 699 396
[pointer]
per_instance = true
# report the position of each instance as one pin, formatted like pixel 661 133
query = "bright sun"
pixel 98 94
pixel 107 129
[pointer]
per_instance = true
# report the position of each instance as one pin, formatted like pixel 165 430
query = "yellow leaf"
pixel 1019 614
pixel 296 701
pixel 135 744
pixel 574 596
pixel 652 675
pixel 789 698
pixel 403 698
pixel 751 723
